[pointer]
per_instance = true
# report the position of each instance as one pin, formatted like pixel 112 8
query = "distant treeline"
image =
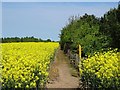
pixel 92 33
pixel 23 39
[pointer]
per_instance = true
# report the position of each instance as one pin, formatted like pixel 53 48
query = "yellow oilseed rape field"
pixel 25 65
pixel 102 70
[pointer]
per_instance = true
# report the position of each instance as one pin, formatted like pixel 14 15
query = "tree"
pixel 110 26
pixel 48 40
pixel 92 33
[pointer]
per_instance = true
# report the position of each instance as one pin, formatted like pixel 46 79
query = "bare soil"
pixel 59 73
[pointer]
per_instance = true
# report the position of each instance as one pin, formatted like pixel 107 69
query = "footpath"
pixel 60 75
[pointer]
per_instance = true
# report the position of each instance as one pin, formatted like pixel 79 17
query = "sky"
pixel 60 0
pixel 0 19
pixel 45 19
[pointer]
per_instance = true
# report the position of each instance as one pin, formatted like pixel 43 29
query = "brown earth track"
pixel 60 75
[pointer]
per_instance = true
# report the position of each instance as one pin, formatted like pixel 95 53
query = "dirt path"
pixel 60 75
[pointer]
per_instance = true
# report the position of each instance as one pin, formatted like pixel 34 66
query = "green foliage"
pixel 101 70
pixel 110 26
pixel 83 31
pixel 92 33
pixel 23 39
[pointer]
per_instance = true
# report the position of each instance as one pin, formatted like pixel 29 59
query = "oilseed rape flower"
pixel 25 65
pixel 101 70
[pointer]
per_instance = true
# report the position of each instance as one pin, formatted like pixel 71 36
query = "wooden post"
pixel 80 52
pixel 80 60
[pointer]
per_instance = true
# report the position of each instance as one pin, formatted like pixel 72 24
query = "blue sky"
pixel 59 0
pixel 45 20
pixel 0 19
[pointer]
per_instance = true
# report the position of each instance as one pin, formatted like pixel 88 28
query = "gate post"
pixel 80 60
pixel 80 51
